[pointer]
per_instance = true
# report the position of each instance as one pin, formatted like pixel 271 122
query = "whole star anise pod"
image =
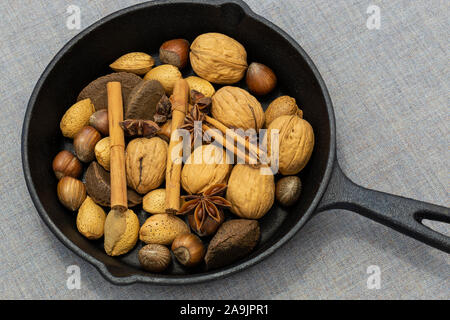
pixel 205 209
pixel 163 110
pixel 189 123
pixel 136 127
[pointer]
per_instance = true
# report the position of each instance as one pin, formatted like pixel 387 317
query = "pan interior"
pixel 144 28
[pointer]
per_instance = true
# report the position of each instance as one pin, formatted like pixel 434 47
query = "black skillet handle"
pixel 399 213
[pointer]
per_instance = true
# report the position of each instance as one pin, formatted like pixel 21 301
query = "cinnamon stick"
pixel 253 150
pixel 179 101
pixel 117 162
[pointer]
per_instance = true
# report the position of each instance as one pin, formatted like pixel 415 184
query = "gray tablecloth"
pixel 390 89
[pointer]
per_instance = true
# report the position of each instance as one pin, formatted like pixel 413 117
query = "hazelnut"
pixel 84 143
pixel 288 190
pixel 154 257
pixel 188 249
pixel 71 192
pixel 99 120
pixel 260 79
pixel 174 52
pixel 66 164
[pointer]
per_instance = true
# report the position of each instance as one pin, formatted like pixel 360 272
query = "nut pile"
pixel 221 202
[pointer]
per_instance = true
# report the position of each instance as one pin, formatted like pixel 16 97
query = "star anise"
pixel 199 99
pixel 189 123
pixel 208 204
pixel 136 127
pixel 163 110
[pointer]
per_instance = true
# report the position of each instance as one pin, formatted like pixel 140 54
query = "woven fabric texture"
pixel 390 90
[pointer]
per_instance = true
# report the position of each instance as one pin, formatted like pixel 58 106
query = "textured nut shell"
pixel 84 143
pixel 236 108
pixel 91 219
pixel 134 62
pixel 102 152
pixel 145 163
pixel 162 229
pixel 251 193
pixel 212 169
pixel 154 257
pixel 167 74
pixel 288 190
pixel 218 58
pixel 281 106
pixel 98 186
pixel 71 192
pixel 200 85
pixel 296 143
pixel 96 90
pixel 234 240
pixel 154 202
pixel 143 99
pixel 76 117
pixel 121 232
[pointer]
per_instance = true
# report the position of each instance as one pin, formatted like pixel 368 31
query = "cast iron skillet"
pixel 143 28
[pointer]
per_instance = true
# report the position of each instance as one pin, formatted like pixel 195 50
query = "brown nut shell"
pixel 99 120
pixel 102 152
pixel 282 106
pixel 96 90
pixel 234 240
pixel 296 143
pixel 143 99
pixel 76 117
pixel 174 52
pixel 154 257
pixel 260 79
pixel 71 192
pixel 66 164
pixel 288 190
pixel 166 74
pixel 99 188
pixel 251 193
pixel 212 169
pixel 134 62
pixel 236 108
pixel 162 229
pixel 145 163
pixel 218 58
pixel 84 143
pixel 121 232
pixel 188 249
pixel 91 219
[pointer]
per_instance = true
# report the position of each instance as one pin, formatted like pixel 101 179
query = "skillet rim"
pixel 176 279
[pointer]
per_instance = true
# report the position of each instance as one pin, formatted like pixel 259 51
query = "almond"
pixel 134 62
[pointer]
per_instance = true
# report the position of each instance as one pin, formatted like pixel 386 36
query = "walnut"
pixel 296 143
pixel 251 193
pixel 218 58
pixel 236 108
pixel 212 169
pixel 145 163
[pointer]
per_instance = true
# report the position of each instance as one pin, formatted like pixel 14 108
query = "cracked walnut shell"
pixel 145 163
pixel 296 143
pixel 218 58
